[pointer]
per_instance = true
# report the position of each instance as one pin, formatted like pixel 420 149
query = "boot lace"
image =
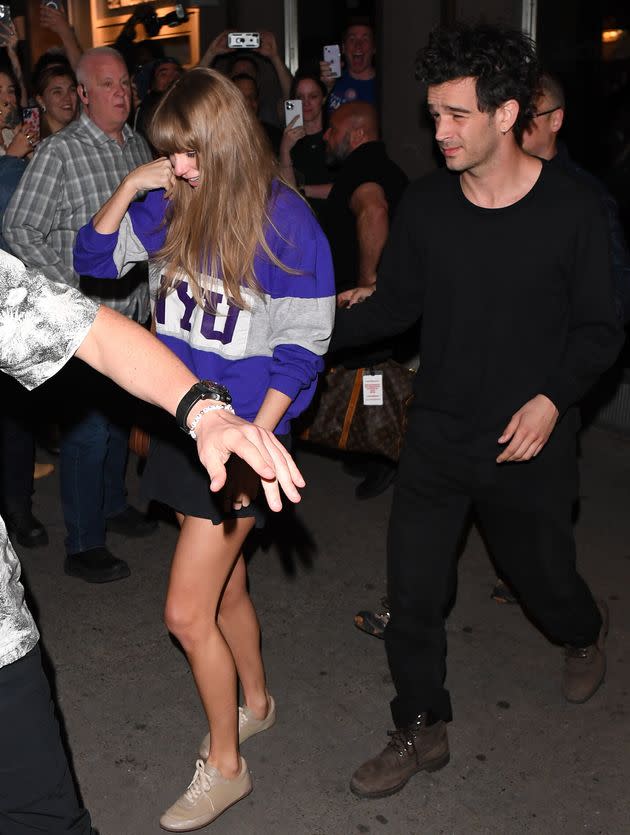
pixel 402 742
pixel 579 653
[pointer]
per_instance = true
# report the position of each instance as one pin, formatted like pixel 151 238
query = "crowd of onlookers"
pixel 330 151
pixel 119 163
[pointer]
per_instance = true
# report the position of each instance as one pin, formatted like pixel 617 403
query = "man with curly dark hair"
pixel 505 259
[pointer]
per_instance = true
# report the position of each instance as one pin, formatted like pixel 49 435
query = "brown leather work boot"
pixel 585 667
pixel 417 747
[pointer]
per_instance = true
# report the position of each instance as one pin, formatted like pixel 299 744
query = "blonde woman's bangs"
pixel 170 130
pixel 217 229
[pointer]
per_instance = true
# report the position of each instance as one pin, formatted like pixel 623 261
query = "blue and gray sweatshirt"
pixel 277 342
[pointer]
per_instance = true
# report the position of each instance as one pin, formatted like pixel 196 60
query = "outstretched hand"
pixel 219 434
pixel 528 430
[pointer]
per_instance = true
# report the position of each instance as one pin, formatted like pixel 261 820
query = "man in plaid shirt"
pixel 72 174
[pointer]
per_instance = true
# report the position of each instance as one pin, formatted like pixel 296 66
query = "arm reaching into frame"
pixel 57 21
pixel 139 363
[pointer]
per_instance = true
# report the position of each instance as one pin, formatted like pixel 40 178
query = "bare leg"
pixel 204 559
pixel 239 624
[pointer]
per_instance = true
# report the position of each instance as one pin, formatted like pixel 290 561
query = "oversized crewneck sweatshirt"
pixel 513 302
pixel 277 342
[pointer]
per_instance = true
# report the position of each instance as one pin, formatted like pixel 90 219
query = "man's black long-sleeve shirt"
pixel 514 302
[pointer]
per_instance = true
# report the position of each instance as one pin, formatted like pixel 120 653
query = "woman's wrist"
pixel 129 186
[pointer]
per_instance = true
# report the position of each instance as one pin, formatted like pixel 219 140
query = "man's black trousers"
pixel 524 510
pixel 37 794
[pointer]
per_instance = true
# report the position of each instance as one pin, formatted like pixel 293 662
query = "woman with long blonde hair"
pixel 244 294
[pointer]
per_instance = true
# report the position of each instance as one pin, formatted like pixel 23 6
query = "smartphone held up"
pixel 332 56
pixel 5 15
pixel 30 120
pixel 293 116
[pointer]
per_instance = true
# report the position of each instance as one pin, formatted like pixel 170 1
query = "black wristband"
pixel 203 390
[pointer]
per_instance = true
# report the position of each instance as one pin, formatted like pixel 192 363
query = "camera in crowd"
pixel 243 40
pixel 147 16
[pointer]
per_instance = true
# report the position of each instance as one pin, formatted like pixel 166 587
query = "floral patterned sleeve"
pixel 41 323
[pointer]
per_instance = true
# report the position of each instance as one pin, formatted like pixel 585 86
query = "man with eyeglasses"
pixel 541 139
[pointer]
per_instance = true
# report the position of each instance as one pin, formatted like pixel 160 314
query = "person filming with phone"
pixel 303 150
pixel 357 82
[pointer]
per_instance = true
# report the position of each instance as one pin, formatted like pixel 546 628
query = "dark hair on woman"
pixel 50 71
pixel 312 76
pixel 48 59
pixel 503 62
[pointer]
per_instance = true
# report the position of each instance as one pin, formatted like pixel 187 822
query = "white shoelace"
pixel 200 783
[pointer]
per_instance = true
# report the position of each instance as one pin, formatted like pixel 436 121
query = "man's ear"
pixel 557 118
pixel 82 93
pixel 506 115
pixel 357 137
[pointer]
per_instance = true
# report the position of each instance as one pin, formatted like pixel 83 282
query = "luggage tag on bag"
pixel 373 388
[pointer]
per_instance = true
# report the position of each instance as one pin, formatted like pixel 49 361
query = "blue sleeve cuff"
pixel 94 252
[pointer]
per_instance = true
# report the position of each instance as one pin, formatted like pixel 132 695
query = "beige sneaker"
pixel 248 725
pixel 208 795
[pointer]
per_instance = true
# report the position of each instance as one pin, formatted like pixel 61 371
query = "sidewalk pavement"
pixel 522 760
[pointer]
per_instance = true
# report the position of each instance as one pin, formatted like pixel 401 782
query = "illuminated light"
pixel 612 35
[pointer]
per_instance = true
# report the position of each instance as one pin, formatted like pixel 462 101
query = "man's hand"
pixel 326 76
pixel 220 433
pixel 351 297
pixel 528 430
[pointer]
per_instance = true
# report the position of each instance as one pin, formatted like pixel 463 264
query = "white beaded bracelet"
pixel 217 407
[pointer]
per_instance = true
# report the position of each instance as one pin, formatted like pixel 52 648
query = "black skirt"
pixel 174 476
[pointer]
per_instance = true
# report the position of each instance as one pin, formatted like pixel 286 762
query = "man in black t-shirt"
pixel 363 199
pixel 356 218
pixel 505 259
